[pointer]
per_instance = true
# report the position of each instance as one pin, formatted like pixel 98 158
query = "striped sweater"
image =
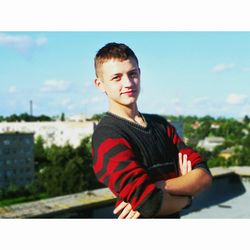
pixel 129 158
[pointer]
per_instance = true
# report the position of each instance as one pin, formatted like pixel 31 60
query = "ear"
pixel 99 84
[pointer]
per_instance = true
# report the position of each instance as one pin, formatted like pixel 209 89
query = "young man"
pixel 140 157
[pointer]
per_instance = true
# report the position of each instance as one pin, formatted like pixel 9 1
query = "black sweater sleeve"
pixel 115 166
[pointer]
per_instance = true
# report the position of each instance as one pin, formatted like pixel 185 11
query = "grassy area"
pixel 12 201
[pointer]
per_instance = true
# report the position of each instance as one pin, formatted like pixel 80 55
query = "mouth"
pixel 129 92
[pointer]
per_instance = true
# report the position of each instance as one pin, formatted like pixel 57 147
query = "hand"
pixel 185 166
pixel 126 211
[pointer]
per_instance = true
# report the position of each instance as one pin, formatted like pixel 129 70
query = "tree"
pixel 246 119
pixel 65 170
pixel 73 176
pixel 40 153
pixel 204 129
pixel 216 161
pixel 84 151
pixel 96 117
pixel 62 117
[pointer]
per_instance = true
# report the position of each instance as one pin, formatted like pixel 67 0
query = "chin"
pixel 130 101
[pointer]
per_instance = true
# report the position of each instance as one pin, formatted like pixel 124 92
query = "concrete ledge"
pixel 220 171
pixel 58 206
pixel 242 171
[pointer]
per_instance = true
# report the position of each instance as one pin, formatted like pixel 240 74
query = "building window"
pixel 27 141
pixel 9 173
pixel 6 151
pixel 6 142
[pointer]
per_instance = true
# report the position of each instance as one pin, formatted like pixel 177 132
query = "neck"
pixel 124 111
pixel 130 113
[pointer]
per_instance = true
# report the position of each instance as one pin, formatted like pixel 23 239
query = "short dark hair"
pixel 113 50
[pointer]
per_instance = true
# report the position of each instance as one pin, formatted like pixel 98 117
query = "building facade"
pixel 58 132
pixel 209 143
pixel 16 159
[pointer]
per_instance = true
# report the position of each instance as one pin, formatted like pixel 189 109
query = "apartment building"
pixel 16 159
pixel 58 132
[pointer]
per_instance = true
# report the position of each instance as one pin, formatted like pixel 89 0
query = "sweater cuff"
pixel 150 207
pixel 203 166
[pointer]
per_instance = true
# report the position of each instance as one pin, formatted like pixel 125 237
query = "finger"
pixel 136 215
pixel 180 162
pixel 184 164
pixel 131 214
pixel 125 211
pixel 189 166
pixel 120 207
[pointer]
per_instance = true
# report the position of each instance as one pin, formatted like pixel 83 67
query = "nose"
pixel 127 82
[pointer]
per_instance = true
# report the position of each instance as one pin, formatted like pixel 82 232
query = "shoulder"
pixel 107 123
pixel 106 129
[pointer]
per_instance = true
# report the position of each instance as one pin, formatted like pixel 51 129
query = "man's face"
pixel 121 81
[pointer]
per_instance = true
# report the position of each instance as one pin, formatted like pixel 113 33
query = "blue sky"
pixel 183 73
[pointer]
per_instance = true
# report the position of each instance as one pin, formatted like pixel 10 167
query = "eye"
pixel 116 78
pixel 133 74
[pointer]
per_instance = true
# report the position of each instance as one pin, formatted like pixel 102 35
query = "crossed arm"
pixel 176 191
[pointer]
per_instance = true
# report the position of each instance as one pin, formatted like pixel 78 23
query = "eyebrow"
pixel 134 69
pixel 118 74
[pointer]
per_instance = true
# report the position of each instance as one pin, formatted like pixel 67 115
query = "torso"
pixel 151 145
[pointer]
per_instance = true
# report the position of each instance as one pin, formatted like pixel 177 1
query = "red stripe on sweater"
pixel 171 134
pixel 169 131
pixel 124 176
pixel 128 175
pixel 193 156
pixel 115 160
pixel 176 139
pixel 105 147
pixel 136 201
pixel 129 191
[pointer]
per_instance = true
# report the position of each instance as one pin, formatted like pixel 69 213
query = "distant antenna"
pixel 31 108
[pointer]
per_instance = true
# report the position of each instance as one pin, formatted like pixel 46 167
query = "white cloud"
pixel 41 41
pixel 21 42
pixel 17 42
pixel 55 86
pixel 236 99
pixel 222 67
pixel 12 89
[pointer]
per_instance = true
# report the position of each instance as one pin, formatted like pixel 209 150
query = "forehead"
pixel 115 66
